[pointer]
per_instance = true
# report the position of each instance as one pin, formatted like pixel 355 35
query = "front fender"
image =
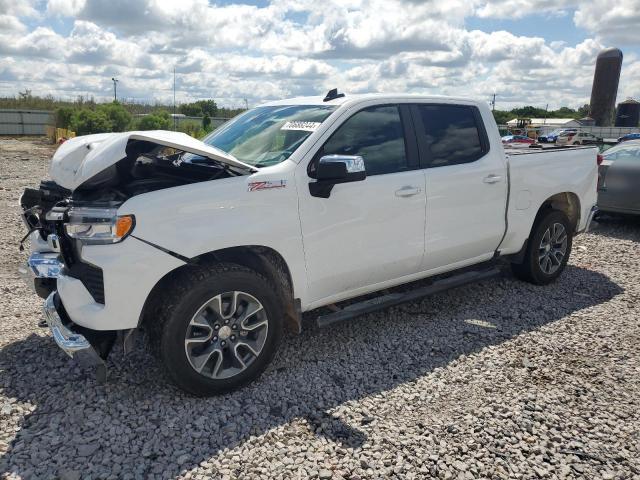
pixel 192 220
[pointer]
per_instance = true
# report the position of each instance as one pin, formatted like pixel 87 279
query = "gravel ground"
pixel 497 380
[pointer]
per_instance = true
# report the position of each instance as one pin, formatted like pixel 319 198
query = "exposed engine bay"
pixel 55 214
pixel 147 167
pixel 150 167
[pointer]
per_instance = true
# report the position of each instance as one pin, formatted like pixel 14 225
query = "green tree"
pixel 64 116
pixel 208 107
pixel 85 122
pixel 206 123
pixel 119 117
pixel 159 120
pixel 565 112
pixel 502 117
pixel 529 111
pixel 191 110
pixel 584 111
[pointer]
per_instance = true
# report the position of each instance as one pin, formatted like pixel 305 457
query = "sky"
pixel 526 52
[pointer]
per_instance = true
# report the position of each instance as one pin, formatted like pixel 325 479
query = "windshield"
pixel 265 136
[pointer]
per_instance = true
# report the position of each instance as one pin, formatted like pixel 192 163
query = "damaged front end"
pixel 91 178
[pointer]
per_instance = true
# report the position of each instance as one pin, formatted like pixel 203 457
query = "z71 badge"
pixel 267 185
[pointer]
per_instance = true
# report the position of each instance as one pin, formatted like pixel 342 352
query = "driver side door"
pixel 370 232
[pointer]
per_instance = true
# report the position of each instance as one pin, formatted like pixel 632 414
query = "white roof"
pixel 355 98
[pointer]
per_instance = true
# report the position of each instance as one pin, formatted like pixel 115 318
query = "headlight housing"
pixel 98 226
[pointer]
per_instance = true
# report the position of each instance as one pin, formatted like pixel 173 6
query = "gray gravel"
pixel 497 380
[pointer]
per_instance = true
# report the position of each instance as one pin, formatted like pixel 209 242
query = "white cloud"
pixel 522 8
pixel 19 8
pixel 299 47
pixel 11 24
pixel 617 22
pixel 65 8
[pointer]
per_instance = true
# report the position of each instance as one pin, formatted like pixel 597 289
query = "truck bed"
pixel 536 175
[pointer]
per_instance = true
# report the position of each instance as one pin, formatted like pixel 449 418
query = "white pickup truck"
pixel 212 248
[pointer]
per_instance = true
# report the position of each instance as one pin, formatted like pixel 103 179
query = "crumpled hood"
pixel 81 158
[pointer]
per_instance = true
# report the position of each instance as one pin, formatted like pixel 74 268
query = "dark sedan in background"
pixel 619 179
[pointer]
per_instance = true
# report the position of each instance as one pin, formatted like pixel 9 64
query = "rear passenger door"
pixel 466 185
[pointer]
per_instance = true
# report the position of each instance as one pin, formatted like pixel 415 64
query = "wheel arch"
pixel 260 258
pixel 566 202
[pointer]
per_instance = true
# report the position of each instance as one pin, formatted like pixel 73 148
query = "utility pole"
pixel 246 104
pixel 115 88
pixel 493 103
pixel 175 120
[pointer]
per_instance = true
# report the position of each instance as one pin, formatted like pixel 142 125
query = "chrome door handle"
pixel 408 191
pixel 492 178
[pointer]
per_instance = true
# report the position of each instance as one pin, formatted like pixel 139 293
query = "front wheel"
pixel 548 249
pixel 218 329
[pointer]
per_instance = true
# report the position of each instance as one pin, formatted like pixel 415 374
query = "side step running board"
pixel 391 299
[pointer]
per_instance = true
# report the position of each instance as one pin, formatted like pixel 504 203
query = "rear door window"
pixel 450 134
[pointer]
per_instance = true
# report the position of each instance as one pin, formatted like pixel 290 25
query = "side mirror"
pixel 334 169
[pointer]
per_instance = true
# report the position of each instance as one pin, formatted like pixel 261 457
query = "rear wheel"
pixel 548 249
pixel 218 329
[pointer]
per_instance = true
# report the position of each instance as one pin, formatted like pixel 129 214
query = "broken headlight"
pixel 98 226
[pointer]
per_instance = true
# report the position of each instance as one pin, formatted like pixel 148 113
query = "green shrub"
pixel 85 122
pixel 192 128
pixel 64 116
pixel 118 116
pixel 199 108
pixel 206 123
pixel 155 121
pixel 191 110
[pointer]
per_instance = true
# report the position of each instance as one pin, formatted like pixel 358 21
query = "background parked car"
pixel 629 136
pixel 577 138
pixel 517 141
pixel 619 179
pixel 552 136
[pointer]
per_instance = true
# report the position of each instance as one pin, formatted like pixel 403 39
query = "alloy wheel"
pixel 226 335
pixel 553 248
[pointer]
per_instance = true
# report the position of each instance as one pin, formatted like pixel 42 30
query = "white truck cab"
pixel 213 247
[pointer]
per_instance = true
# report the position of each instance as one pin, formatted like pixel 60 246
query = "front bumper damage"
pixel 41 272
pixel 74 344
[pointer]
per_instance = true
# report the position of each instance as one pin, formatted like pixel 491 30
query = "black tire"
pixel 530 270
pixel 189 292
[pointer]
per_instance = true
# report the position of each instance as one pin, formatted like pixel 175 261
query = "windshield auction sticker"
pixel 298 125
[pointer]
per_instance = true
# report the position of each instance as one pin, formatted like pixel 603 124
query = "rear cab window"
pixel 449 134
